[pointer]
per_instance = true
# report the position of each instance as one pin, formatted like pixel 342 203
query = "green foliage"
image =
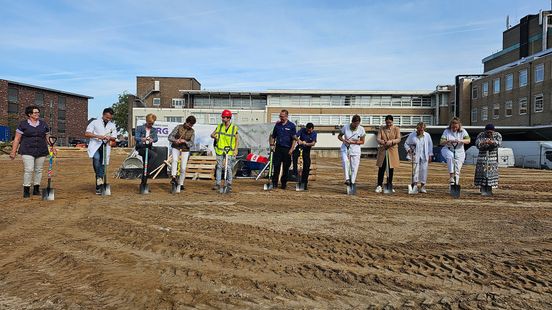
pixel 120 118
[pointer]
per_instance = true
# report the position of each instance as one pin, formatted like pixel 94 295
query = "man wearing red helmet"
pixel 226 136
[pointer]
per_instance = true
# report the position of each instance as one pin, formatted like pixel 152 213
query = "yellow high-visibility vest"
pixel 226 137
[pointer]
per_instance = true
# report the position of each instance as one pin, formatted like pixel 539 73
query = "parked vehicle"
pixel 531 154
pixel 505 156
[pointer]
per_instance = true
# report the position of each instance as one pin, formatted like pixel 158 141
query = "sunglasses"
pixel 226 117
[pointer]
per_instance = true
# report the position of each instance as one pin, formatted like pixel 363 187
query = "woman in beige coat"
pixel 389 137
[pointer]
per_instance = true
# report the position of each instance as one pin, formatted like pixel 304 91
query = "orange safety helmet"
pixel 226 113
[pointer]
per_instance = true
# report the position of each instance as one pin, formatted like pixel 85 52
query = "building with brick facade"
pixel 66 112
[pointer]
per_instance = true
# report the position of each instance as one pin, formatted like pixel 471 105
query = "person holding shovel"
pixel 453 140
pixel 144 137
pixel 388 138
pixel 486 169
pixel 306 139
pixel 419 148
pixel 226 141
pixel 182 140
pixel 282 141
pixel 352 136
pixel 31 141
pixel 101 132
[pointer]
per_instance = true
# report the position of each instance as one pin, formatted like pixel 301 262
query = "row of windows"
pixel 509 82
pixel 13 105
pixel 353 101
pixel 538 106
pixel 332 120
pixel 230 102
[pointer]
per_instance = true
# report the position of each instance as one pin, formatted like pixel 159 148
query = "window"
pixel 178 102
pixel 39 99
pixel 474 115
pixel 496 111
pixel 509 81
pixel 156 101
pixel 522 77
pixel 485 88
pixel 484 113
pixel 496 86
pixel 61 126
pixel 474 92
pixel 522 106
pixel 175 119
pixel 539 103
pixel 508 108
pixel 13 96
pixel 539 73
pixel 61 108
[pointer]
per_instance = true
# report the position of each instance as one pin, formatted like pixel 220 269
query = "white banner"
pixel 203 140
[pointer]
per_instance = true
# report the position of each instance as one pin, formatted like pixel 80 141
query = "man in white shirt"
pixel 101 132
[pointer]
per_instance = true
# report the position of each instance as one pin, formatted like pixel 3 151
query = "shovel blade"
pixel 268 187
pixel 224 190
pixel 486 190
pixel 412 190
pixel 351 189
pixel 300 187
pixel 106 190
pixel 144 189
pixel 388 189
pixel 455 190
pixel 48 194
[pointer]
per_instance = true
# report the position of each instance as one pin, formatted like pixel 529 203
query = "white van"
pixel 505 156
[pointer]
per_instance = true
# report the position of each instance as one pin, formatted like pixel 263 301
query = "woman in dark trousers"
pixel 306 139
pixel 31 138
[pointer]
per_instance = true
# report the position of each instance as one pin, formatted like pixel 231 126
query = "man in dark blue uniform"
pixel 282 141
pixel 306 139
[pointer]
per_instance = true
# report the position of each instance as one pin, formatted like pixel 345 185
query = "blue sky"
pixel 97 48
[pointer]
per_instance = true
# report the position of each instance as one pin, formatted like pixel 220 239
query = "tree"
pixel 121 112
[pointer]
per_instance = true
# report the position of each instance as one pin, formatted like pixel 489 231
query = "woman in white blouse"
pixel 453 140
pixel 419 147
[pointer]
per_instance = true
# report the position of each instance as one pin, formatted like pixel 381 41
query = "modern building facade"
pixel 516 87
pixel 65 112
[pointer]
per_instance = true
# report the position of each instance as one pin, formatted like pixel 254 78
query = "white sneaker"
pixel 379 189
pixel 99 181
pixel 393 190
pixel 423 189
pixel 451 180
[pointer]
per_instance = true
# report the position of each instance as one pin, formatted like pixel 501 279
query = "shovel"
pixel 144 187
pixel 454 188
pixel 387 187
pixel 486 190
pixel 412 189
pixel 300 186
pixel 268 186
pixel 105 188
pixel 48 192
pixel 175 188
pixel 225 189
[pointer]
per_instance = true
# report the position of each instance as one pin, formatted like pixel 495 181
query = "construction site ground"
pixel 277 249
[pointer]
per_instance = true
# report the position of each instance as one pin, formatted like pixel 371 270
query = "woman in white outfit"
pixel 453 139
pixel 419 147
pixel 182 140
pixel 352 136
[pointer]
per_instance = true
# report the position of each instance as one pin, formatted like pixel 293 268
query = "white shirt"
pixel 459 135
pixel 355 135
pixel 423 146
pixel 97 127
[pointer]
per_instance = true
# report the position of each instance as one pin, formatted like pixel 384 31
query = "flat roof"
pixel 168 77
pixel 312 92
pixel 49 89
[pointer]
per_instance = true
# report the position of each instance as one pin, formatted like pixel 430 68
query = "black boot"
pixel 36 190
pixel 26 191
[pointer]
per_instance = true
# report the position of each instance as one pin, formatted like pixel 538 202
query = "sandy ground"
pixel 280 249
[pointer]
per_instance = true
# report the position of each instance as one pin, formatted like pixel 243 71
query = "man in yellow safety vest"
pixel 226 141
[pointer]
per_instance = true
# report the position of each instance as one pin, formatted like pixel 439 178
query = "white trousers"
pixel 183 161
pixel 420 171
pixel 32 165
pixel 355 162
pixel 460 157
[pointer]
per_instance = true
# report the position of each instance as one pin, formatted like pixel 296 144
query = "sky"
pixel 97 48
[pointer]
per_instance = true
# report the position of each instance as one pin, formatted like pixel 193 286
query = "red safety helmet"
pixel 227 113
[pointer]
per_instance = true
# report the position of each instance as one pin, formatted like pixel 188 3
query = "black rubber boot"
pixel 36 190
pixel 26 191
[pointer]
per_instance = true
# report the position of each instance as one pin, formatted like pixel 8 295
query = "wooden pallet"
pixel 201 167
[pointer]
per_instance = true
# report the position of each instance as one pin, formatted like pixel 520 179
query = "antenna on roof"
pixel 508 21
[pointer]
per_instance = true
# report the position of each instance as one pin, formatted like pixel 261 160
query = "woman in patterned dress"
pixel 488 142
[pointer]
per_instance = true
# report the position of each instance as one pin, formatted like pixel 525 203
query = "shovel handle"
pixel 52 140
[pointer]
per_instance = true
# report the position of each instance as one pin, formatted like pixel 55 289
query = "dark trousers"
pixel 151 157
pixel 281 155
pixel 295 155
pixel 381 172
pixel 306 166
